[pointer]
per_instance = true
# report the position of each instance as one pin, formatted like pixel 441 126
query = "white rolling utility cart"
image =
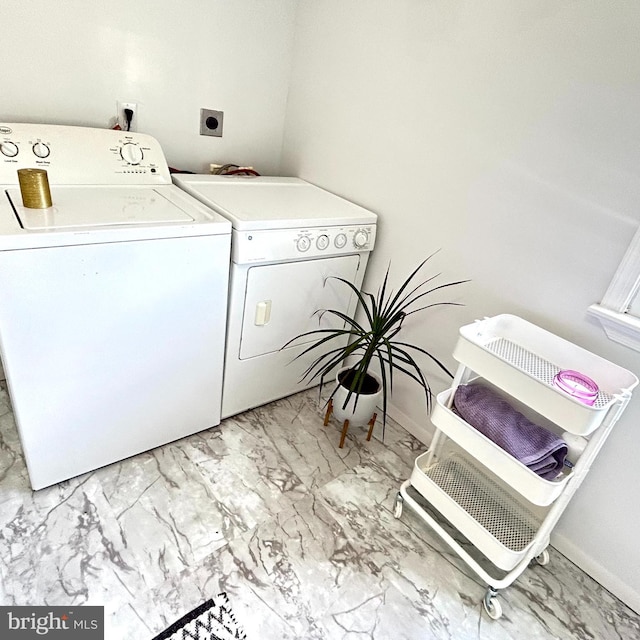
pixel 469 485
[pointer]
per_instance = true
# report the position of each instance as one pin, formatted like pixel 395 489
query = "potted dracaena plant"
pixel 372 340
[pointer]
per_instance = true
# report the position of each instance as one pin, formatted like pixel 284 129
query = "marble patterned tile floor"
pixel 299 533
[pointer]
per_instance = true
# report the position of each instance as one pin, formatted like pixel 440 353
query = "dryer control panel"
pixel 273 245
pixel 81 155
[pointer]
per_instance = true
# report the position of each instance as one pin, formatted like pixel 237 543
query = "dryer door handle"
pixel 263 313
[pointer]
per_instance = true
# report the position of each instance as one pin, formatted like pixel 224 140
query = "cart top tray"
pixel 504 346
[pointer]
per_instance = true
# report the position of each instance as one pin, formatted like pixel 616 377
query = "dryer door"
pixel 281 301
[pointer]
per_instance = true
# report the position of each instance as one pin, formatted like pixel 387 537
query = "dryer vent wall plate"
pixel 211 122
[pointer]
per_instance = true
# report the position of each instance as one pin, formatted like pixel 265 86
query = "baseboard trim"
pixel 603 576
pixel 423 432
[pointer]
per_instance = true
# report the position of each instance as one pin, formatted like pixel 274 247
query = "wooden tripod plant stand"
pixel 345 425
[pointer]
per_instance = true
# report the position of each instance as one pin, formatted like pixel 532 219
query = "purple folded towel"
pixel 537 448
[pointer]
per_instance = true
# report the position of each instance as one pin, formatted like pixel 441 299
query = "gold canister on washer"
pixel 34 187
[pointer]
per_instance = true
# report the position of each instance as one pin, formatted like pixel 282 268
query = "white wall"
pixel 69 62
pixel 505 133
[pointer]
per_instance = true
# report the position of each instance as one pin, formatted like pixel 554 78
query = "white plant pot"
pixel 364 408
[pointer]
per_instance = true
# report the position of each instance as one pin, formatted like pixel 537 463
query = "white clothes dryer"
pixel 288 238
pixel 112 301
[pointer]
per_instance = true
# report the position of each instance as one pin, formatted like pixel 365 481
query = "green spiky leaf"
pixel 374 339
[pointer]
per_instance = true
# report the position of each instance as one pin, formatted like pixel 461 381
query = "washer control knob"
pixel 322 242
pixel 303 243
pixel 340 241
pixel 9 149
pixel 131 153
pixel 41 150
pixel 361 238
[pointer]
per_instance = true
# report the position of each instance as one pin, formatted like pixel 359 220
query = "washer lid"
pixel 273 203
pixel 90 207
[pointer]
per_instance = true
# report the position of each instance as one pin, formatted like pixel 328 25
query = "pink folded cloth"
pixel 536 447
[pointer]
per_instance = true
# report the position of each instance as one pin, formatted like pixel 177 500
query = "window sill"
pixel 619 327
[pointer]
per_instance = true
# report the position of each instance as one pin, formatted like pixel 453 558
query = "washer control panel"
pixel 81 155
pixel 297 244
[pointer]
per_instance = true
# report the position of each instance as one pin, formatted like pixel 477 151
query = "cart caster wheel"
pixel 493 608
pixel 543 558
pixel 397 511
pixel 491 603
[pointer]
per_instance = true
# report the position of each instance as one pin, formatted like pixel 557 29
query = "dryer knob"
pixel 361 239
pixel 322 242
pixel 131 153
pixel 303 243
pixel 9 149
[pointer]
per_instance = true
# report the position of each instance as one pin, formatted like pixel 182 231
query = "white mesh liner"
pixel 485 501
pixel 534 365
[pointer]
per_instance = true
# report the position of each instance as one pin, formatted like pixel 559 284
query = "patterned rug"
pixel 212 620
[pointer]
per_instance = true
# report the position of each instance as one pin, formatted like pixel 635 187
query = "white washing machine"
pixel 112 301
pixel 288 237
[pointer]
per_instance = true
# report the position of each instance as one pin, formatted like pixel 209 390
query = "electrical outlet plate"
pixel 211 122
pixel 122 120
